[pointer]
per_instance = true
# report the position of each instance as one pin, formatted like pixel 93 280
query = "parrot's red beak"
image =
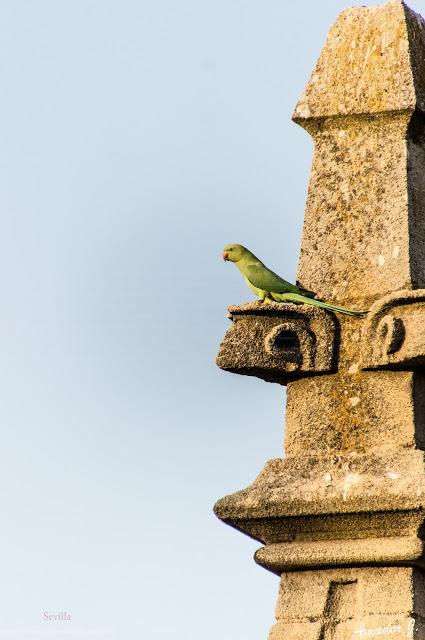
pixel 225 255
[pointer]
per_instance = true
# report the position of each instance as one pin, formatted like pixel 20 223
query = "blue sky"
pixel 138 138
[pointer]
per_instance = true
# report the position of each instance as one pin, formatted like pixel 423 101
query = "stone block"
pixel 296 631
pixel 394 332
pixel 276 341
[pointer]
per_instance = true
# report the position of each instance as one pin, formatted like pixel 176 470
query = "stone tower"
pixel 340 517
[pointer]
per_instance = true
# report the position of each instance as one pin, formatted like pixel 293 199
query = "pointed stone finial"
pixel 372 62
pixel 364 105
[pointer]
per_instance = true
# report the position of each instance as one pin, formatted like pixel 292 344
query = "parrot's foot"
pixel 265 299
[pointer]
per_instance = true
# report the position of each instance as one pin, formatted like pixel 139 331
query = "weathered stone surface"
pixel 350 496
pixel 359 176
pixel 362 236
pixel 278 341
pixel 394 332
pixel 367 591
pixel 393 479
pixel 350 603
pixel 374 70
pixel 396 628
pixel 295 631
pixel 364 228
pixel 284 556
pixel 347 505
pixel 354 411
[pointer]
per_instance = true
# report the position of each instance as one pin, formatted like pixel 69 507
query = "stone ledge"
pixel 341 497
pixel 286 556
pixel 345 483
pixel 278 342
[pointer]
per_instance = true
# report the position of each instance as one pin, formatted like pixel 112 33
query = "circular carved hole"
pixel 287 340
pixel 284 345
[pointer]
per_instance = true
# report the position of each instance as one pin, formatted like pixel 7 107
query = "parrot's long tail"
pixel 296 297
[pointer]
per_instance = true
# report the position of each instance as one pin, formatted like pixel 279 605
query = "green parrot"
pixel 270 287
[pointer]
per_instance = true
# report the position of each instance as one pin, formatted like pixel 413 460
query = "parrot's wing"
pixel 267 280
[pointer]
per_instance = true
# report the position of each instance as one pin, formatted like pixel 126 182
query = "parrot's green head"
pixel 234 252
